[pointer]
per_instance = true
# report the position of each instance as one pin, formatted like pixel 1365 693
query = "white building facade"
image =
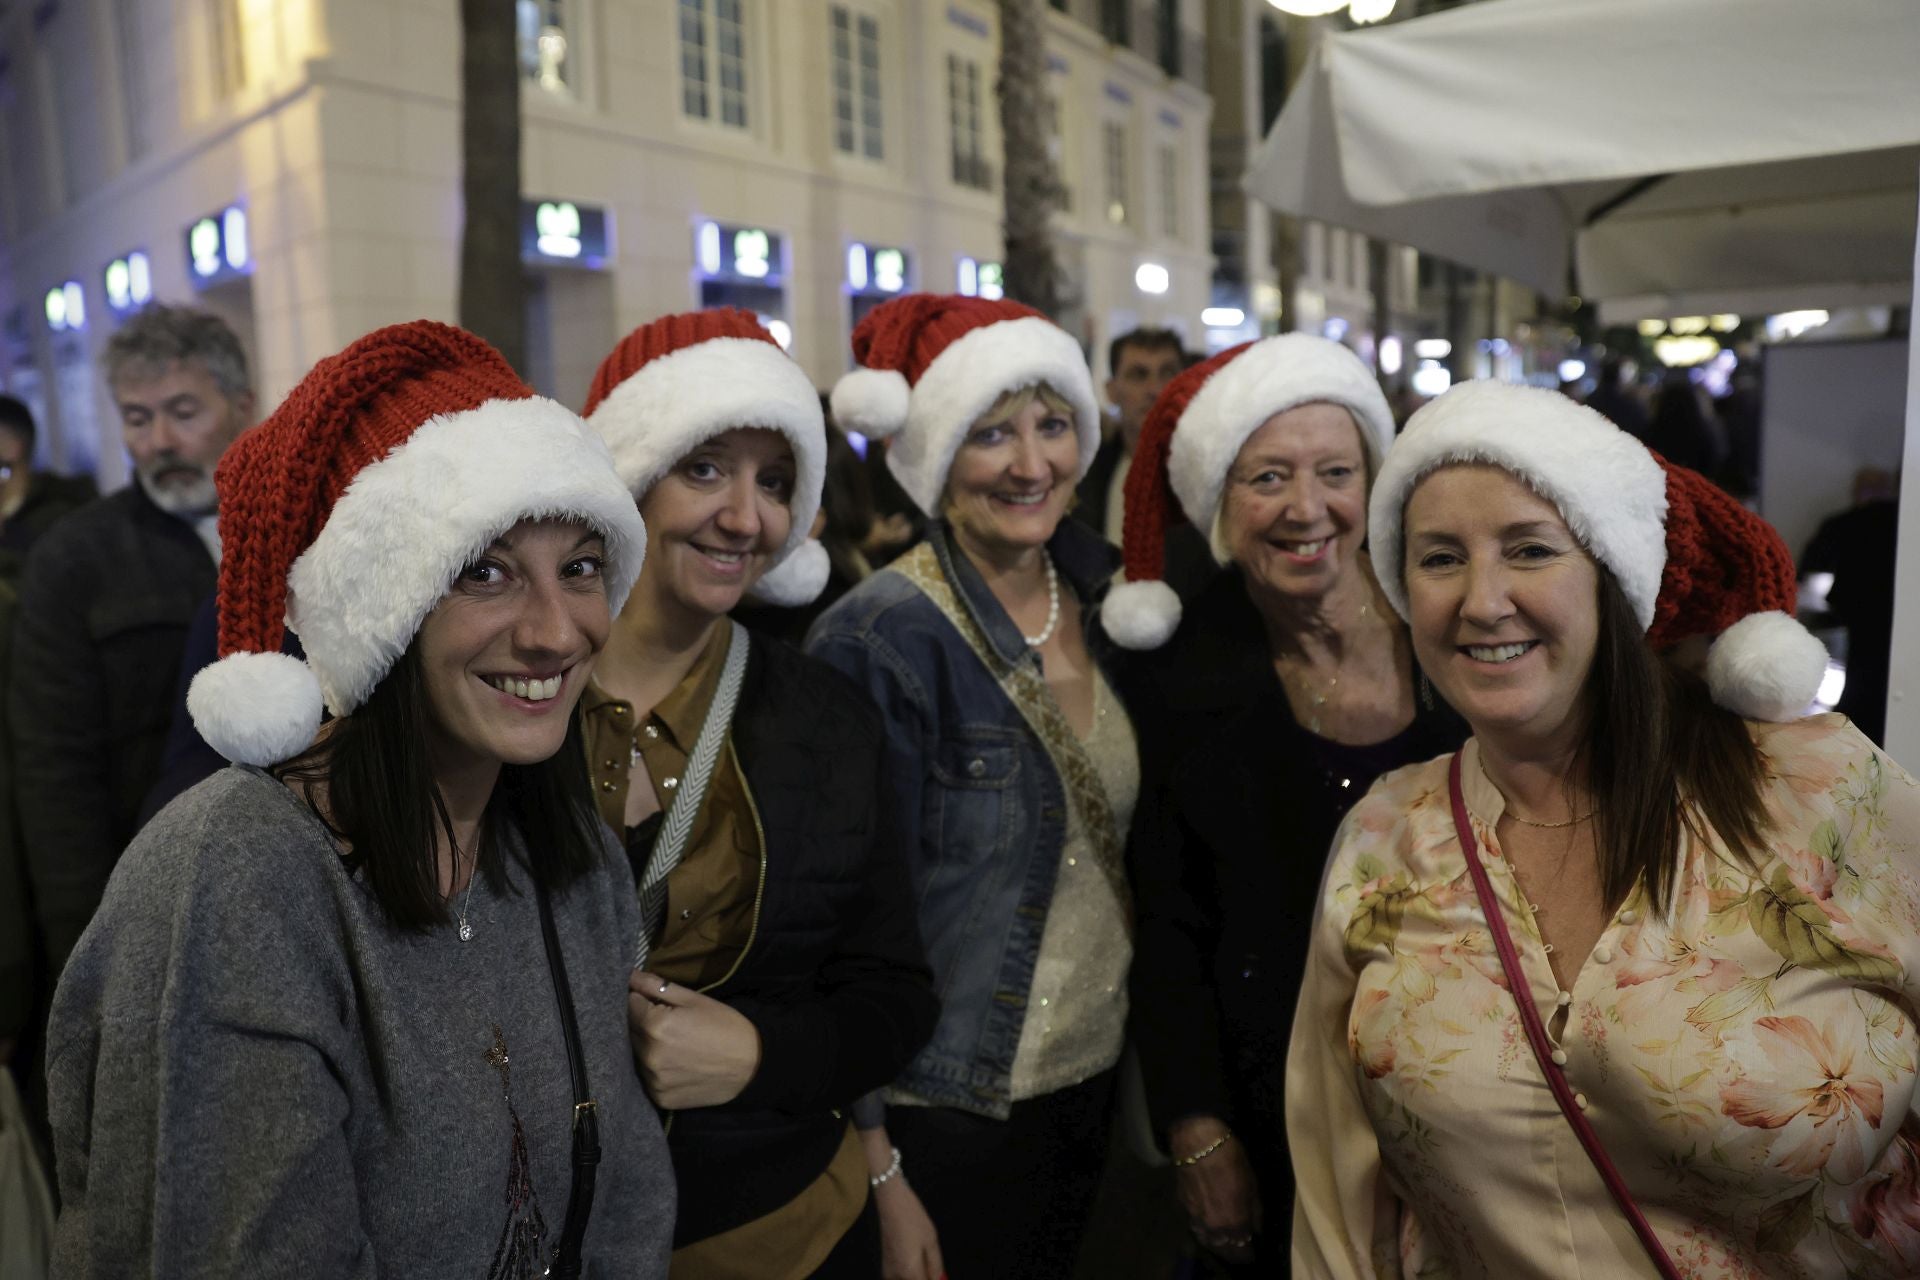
pixel 295 166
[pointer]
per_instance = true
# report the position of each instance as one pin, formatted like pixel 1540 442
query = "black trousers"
pixel 1010 1198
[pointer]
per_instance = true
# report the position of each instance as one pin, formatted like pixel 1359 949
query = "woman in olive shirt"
pixel 783 976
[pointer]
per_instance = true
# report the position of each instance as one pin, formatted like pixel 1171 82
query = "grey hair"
pixel 159 335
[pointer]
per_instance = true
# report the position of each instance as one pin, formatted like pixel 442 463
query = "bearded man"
pixel 105 603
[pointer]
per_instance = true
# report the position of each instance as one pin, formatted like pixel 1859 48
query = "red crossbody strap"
pixel 1537 1034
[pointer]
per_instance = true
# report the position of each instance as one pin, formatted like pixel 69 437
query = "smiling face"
pixel 1013 476
pixel 715 522
pixel 1504 604
pixel 1293 513
pixel 176 423
pixel 506 653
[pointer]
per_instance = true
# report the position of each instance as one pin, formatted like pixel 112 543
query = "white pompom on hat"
pixel 1689 558
pixel 348 513
pixel 678 381
pixel 1189 442
pixel 933 364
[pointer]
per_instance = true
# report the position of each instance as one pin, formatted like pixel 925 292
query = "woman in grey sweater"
pixel 342 1003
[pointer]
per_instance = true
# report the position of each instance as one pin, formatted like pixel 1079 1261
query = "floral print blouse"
pixel 1749 1060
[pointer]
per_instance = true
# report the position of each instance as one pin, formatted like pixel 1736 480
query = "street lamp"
pixel 1361 11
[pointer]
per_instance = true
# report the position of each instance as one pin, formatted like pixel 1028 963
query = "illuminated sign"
pixel 981 279
pixel 66 307
pixel 218 249
pixel 129 283
pixel 749 254
pixel 874 269
pixel 563 233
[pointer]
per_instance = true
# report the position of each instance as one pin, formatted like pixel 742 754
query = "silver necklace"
pixel 466 930
pixel 1053 607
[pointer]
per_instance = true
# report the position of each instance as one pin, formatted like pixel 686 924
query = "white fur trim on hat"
pixel 797 578
pixel 1270 377
pixel 256 708
pixel 409 523
pixel 1608 488
pixel 871 401
pixel 675 403
pixel 1766 667
pixel 965 380
pixel 1140 615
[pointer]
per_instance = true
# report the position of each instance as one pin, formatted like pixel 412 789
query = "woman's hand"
pixel 909 1245
pixel 693 1051
pixel 1218 1191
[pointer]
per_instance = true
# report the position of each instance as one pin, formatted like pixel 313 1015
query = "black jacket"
pixel 104 607
pixel 1238 809
pixel 834 979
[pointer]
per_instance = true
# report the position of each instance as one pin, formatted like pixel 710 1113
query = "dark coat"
pixel 1238 809
pixel 834 978
pixel 104 608
pixel 49 497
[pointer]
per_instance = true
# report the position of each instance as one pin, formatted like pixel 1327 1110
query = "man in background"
pixel 1140 364
pixel 30 501
pixel 104 607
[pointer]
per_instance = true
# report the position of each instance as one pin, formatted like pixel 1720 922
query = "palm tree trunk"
pixel 492 283
pixel 1032 187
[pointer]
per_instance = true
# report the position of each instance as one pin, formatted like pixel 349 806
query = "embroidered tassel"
pixel 520 1254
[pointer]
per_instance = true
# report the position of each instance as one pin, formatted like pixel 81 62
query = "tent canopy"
pixel 1660 157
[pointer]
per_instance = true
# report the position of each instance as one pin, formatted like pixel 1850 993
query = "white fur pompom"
pixel 1141 615
pixel 871 401
pixel 798 579
pixel 256 708
pixel 1766 667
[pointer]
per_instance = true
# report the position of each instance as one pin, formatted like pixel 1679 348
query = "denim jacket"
pixel 980 804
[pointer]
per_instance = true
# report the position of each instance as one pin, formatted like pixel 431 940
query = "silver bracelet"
pixel 893 1171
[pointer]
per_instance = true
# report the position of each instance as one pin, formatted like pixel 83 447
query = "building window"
pixel 856 84
pixel 1116 21
pixel 970 167
pixel 1114 140
pixel 1170 192
pixel 229 53
pixel 1057 151
pixel 713 61
pixel 545 54
pixel 1167 34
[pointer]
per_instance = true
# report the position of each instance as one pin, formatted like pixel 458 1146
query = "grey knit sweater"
pixel 253 1074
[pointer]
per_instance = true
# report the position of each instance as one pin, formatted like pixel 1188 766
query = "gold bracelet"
pixel 1204 1152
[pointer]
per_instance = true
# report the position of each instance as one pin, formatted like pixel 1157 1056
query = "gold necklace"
pixel 1551 826
pixel 1529 822
pixel 1320 695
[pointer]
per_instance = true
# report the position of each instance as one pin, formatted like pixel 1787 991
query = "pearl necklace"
pixel 1053 607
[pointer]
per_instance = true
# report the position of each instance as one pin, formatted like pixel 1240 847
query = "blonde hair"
pixel 1012 403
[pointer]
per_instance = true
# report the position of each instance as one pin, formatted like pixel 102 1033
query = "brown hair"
pixel 1661 757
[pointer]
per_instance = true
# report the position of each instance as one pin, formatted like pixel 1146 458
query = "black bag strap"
pixel 586 1117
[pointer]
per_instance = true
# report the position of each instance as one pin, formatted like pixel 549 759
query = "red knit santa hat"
pixel 1188 444
pixel 683 379
pixel 933 364
pixel 1690 560
pixel 348 513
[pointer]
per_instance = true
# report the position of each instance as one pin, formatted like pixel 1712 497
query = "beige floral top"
pixel 1748 1062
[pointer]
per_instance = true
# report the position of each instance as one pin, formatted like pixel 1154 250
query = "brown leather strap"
pixel 1537 1034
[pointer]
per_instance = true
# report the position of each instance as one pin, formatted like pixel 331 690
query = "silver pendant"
pixel 466 931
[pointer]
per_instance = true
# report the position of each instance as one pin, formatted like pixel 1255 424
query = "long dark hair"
pixel 382 802
pixel 1661 757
